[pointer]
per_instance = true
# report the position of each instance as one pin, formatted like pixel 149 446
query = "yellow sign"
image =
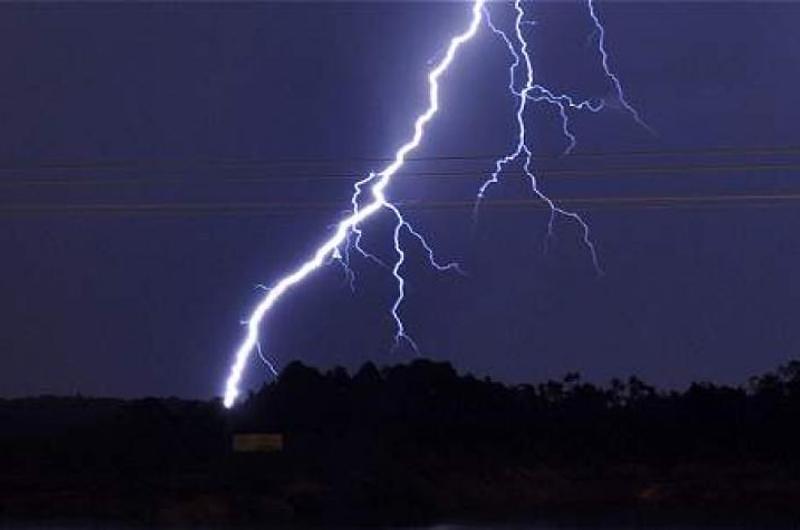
pixel 257 443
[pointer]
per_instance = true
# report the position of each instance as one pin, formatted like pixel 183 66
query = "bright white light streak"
pixel 522 151
pixel 327 249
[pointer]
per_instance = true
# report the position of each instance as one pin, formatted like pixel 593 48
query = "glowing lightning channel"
pixel 540 93
pixel 400 333
pixel 349 226
pixel 269 364
pixel 563 102
pixel 534 92
pixel 601 45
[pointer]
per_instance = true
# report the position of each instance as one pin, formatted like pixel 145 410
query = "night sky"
pixel 157 161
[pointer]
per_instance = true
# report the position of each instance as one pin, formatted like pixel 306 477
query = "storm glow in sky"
pixel 158 161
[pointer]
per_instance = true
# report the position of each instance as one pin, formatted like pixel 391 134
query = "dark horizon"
pixel 748 385
pixel 413 444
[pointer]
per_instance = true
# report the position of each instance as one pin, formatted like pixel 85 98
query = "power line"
pixel 11 165
pixel 288 208
pixel 631 171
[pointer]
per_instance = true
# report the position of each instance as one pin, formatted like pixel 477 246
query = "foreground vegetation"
pixel 406 443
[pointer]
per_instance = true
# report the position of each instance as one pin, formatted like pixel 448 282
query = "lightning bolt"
pixel 518 48
pixel 378 183
pixel 600 30
pixel 347 234
pixel 522 152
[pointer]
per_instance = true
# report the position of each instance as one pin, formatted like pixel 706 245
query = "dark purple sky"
pixel 129 103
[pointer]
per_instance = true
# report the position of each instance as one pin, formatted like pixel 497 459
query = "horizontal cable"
pixel 240 162
pixel 632 171
pixel 286 208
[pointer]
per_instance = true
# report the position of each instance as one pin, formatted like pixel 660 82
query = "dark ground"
pixel 410 443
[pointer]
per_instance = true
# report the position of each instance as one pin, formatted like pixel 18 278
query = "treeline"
pixel 418 407
pixel 78 435
pixel 407 443
pixel 428 404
